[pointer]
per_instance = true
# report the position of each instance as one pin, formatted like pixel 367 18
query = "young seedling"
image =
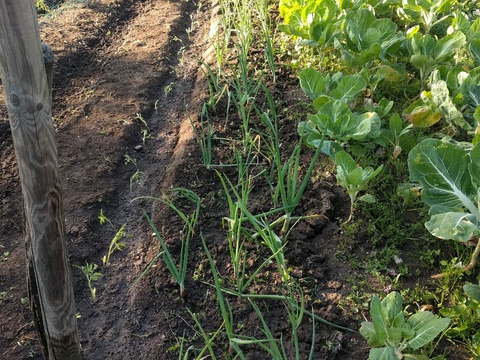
pixel 354 179
pixel 391 335
pixel 138 175
pixel 392 135
pixel 89 270
pixel 115 244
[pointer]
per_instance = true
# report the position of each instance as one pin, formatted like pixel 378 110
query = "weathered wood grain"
pixel 28 99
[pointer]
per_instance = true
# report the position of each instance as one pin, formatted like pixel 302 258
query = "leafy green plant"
pixel 426 53
pixel 115 244
pixel 392 336
pixel 354 178
pixel 334 120
pixel 449 176
pixel 391 136
pixel 316 22
pixel 464 312
pixel 322 89
pixel 368 38
pixel 89 270
pixel 425 12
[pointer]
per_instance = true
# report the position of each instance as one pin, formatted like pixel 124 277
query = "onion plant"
pixel 289 188
pixel 204 136
pixel 177 271
pixel 261 8
pixel 295 310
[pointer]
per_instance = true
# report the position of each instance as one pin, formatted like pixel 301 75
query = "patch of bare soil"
pixel 125 73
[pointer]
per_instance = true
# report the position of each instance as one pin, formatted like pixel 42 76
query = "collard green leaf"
pixel 420 114
pixel 474 165
pixel 393 309
pixel 367 330
pixel 337 121
pixel 427 327
pixel 472 95
pixel 385 353
pixel 446 46
pixel 366 125
pixel 420 44
pixel 312 83
pixel 349 87
pixel 452 226
pixel 454 79
pixel 442 169
pixel 441 98
pixel 368 38
pixel 345 161
pixel 395 336
pixel 424 63
pixel 473 291
pixel 368 198
pixel 378 319
pixel 414 357
pixel 473 31
pixel 408 332
pixel 315 139
pixel 356 24
pixel 474 48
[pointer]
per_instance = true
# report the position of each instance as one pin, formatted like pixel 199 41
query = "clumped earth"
pixel 126 83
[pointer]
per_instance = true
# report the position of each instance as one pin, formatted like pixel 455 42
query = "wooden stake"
pixel 28 99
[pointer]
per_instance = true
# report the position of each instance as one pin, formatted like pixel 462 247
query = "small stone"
pixel 138 147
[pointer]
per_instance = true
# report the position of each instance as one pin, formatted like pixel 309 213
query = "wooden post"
pixel 28 99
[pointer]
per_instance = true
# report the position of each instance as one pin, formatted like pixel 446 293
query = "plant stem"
pixel 473 260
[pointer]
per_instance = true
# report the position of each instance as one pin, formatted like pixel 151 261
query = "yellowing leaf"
pixel 422 116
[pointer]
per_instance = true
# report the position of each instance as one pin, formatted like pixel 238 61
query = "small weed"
pixel 115 244
pixel 3 296
pixel 137 177
pixel 89 270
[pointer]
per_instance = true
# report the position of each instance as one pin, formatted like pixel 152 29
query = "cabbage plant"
pixel 450 179
pixel 393 336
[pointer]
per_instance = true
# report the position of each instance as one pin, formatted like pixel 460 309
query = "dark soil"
pixel 118 62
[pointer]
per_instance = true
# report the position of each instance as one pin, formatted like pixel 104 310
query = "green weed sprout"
pixel 115 244
pixel 177 271
pixel 390 334
pixel 138 175
pixel 89 270
pixel 354 178
pixel 464 312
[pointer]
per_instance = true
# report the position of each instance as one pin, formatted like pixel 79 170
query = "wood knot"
pixel 39 106
pixel 14 99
